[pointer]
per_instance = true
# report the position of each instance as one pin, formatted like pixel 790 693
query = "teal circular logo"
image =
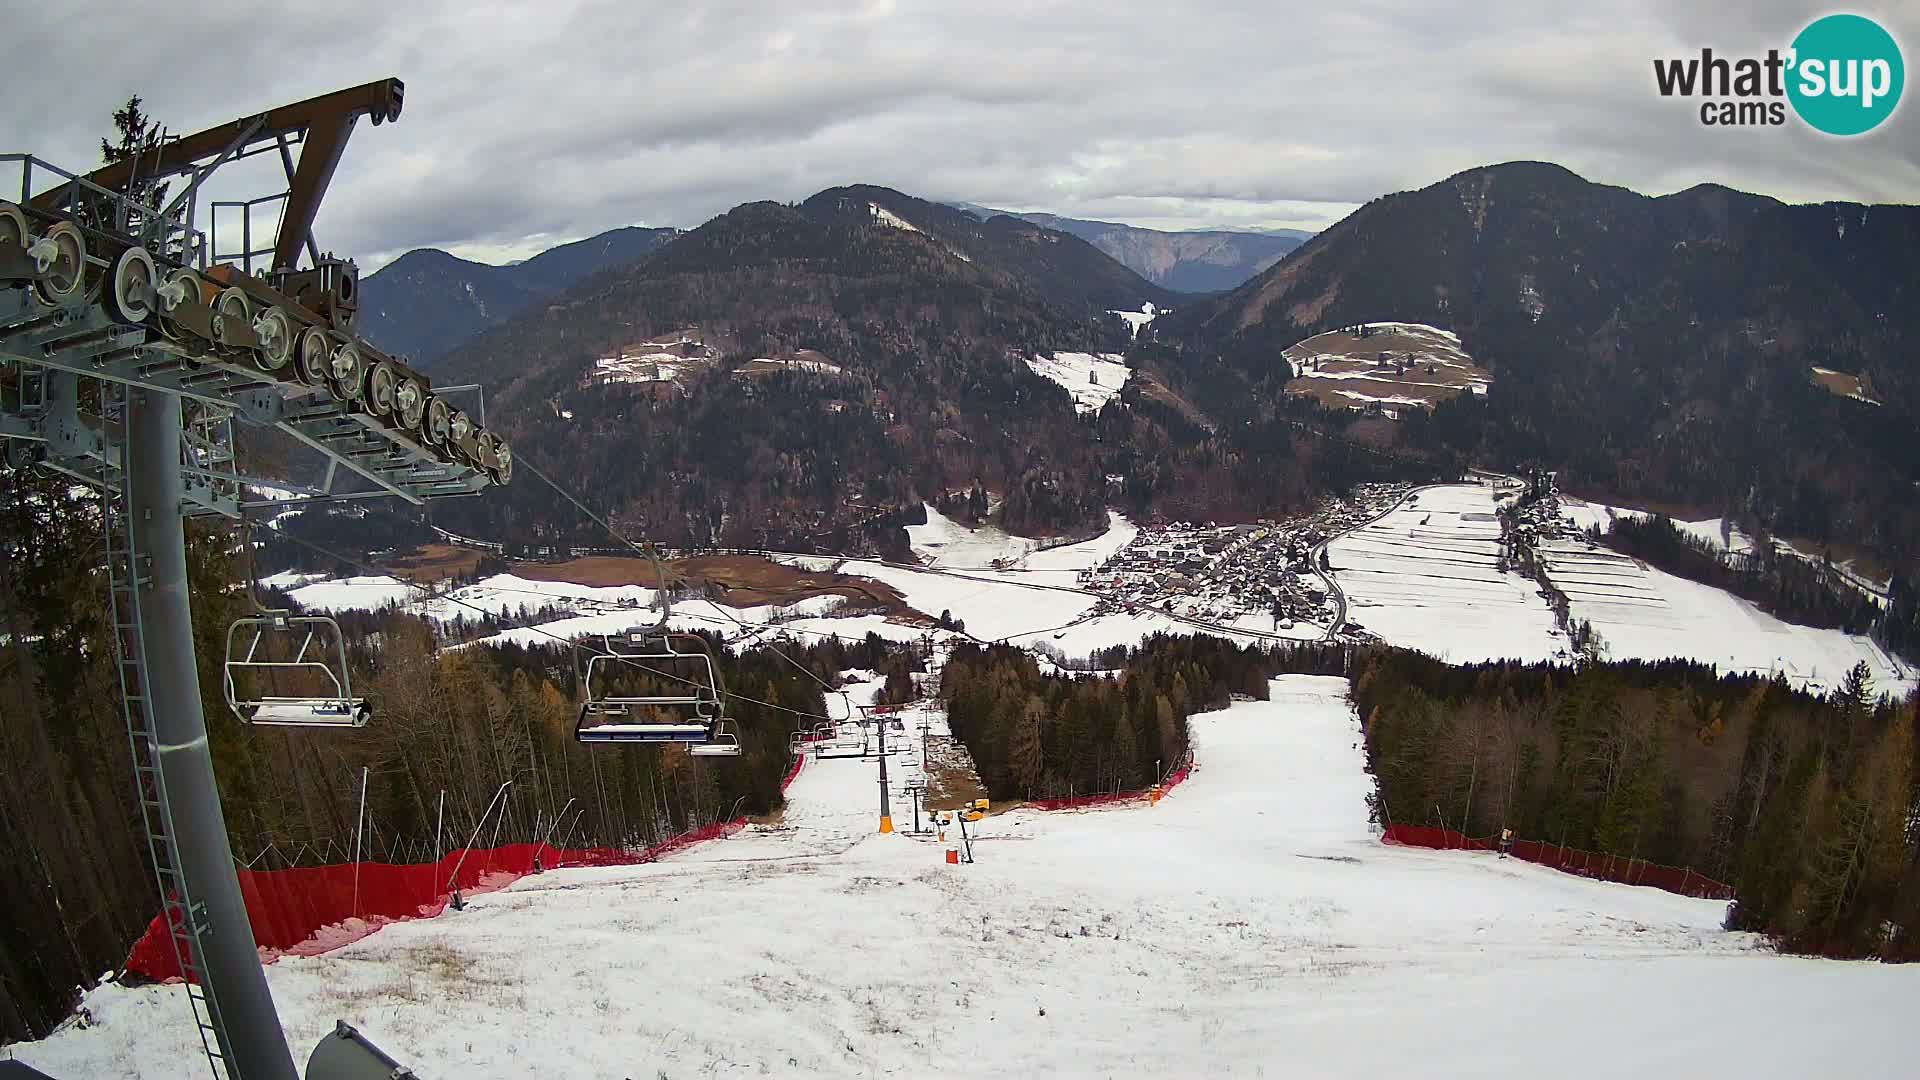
pixel 1846 74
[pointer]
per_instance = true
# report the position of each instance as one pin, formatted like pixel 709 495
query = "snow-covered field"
pixel 1092 378
pixel 1250 925
pixel 1648 614
pixel 500 594
pixel 944 542
pixel 1425 576
pixel 600 610
pixel 1429 365
pixel 993 605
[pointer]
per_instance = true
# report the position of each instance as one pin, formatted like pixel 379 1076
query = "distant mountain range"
pixel 427 301
pixel 1197 261
pixel 800 374
pixel 828 363
pixel 1653 349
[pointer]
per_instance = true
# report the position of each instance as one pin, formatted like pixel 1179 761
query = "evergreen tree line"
pixel 1040 735
pixel 79 890
pixel 1785 585
pixel 1805 804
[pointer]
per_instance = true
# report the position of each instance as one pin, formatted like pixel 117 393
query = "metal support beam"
pixel 326 141
pixel 231 961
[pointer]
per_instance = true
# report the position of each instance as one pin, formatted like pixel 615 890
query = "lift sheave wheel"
pixel 130 298
pixel 231 309
pixel 439 419
pixel 61 255
pixel 312 364
pixel 503 471
pixel 346 372
pixel 410 405
pixel 277 336
pixel 381 382
pixel 13 226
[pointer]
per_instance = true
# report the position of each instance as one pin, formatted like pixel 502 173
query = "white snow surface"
pixel 1424 576
pixel 364 593
pixel 1643 613
pixel 887 217
pixel 1137 319
pixel 1093 379
pixel 945 542
pixel 1250 925
pixel 993 605
pixel 600 610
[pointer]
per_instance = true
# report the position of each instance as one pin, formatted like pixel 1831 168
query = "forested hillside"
pixel 914 325
pixel 1806 805
pixel 1649 349
pixel 1038 735
pixel 1795 589
pixel 79 889
pixel 427 302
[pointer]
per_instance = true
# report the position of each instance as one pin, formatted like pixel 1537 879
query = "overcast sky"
pixel 542 122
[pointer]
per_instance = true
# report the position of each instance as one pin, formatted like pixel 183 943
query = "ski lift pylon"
pixel 321 654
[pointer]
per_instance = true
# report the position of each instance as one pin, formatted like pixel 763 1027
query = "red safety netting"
pixel 793 772
pixel 1674 879
pixel 1087 802
pixel 308 910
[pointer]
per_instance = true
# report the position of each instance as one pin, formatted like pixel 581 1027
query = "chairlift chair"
pixel 691 715
pixel 321 655
pixel 724 742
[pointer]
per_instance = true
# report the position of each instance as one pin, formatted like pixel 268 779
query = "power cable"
pixel 372 571
pixel 648 554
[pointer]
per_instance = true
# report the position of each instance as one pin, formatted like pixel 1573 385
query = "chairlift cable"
pixel 648 553
pixel 760 630
pixel 375 572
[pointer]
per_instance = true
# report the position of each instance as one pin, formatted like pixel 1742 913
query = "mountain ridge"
pixel 426 302
pixel 1654 348
pixel 1184 260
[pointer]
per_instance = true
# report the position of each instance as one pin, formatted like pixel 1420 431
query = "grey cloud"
pixel 527 124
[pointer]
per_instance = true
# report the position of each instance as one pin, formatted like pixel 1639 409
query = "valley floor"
pixel 1249 925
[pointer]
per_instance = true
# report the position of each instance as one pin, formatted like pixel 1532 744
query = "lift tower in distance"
pixel 131 341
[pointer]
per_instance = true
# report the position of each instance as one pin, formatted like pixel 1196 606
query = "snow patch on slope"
pixel 1137 319
pixel 1092 378
pixel 887 217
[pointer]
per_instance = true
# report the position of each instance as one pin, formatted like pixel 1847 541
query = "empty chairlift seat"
pixel 725 742
pixel 685 708
pixel 287 670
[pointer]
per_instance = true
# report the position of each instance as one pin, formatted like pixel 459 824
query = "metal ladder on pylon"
pixel 186 919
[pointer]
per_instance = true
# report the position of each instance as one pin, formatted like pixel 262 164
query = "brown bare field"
pixel 736 580
pixel 1858 559
pixel 435 562
pixel 1342 369
pixel 1152 387
pixel 1841 383
pixel 952 784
